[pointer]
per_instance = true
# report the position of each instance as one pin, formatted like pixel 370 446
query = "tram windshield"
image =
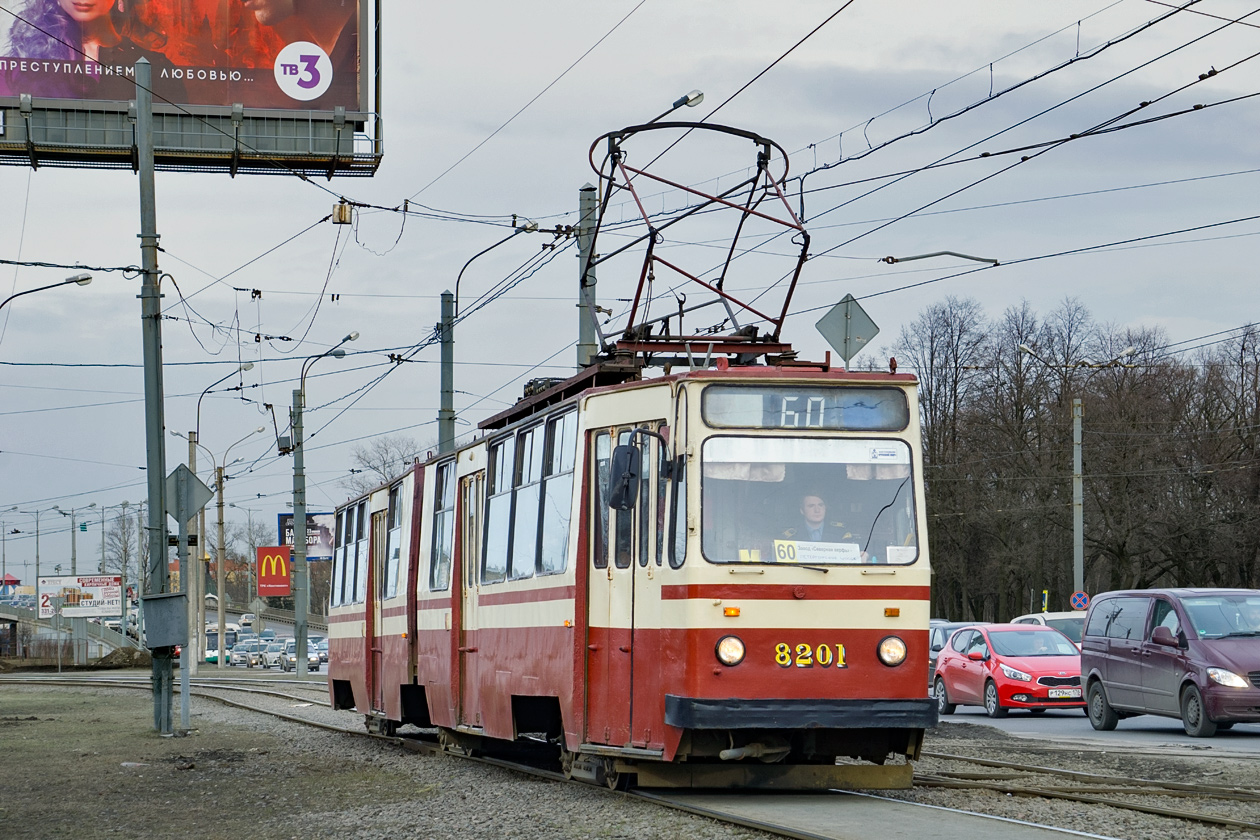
pixel 809 501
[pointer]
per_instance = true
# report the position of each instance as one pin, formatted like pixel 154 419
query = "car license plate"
pixel 1060 693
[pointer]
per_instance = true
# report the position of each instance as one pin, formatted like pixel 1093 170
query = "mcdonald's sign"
pixel 273 571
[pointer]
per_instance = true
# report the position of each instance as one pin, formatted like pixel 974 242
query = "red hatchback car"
pixel 1008 666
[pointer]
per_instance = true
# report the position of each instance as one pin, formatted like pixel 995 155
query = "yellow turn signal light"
pixel 892 612
pixel 730 612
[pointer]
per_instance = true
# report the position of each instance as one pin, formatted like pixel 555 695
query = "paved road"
pixel 1068 726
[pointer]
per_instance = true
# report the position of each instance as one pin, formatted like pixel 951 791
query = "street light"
pixel 301 594
pixel 78 279
pixel 1078 488
pixel 249 514
pixel 122 563
pixel 446 334
pixel 36 514
pixel 691 100
pixel 220 479
pixel 197 580
pixel 4 560
pixel 74 560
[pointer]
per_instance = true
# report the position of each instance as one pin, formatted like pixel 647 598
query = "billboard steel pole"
pixel 151 314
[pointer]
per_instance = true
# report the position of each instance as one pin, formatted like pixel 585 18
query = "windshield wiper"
pixel 1243 633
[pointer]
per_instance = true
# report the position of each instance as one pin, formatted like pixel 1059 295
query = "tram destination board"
pixel 806 407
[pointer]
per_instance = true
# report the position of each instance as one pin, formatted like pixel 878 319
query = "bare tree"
pixel 379 461
pixel 1171 456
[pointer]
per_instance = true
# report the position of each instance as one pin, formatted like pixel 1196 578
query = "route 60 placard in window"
pixel 798 551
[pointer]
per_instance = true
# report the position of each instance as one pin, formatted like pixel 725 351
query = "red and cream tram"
pixel 639 573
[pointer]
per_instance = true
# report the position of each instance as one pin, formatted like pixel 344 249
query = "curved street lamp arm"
pixel 460 276
pixel 81 279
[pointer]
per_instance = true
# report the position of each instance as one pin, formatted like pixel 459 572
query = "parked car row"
pixel 1192 654
pixel 251 650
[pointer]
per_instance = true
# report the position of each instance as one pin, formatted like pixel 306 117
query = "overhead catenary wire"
pixel 537 96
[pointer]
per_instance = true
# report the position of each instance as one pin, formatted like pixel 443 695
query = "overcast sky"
pixel 71 382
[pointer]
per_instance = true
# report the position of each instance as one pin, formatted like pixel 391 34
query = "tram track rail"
pixel 1090 788
pixel 997 776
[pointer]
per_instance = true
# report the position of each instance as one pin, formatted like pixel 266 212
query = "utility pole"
pixel 219 576
pixel 446 412
pixel 155 439
pixel 587 349
pixel 1078 502
pixel 192 571
pixel 301 592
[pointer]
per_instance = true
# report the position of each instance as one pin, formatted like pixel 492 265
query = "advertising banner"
pixel 273 571
pixel 319 534
pixel 85 596
pixel 287 54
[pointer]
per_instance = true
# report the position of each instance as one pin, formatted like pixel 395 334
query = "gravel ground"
pixel 85 763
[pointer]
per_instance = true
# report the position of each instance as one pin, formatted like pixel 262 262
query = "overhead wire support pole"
pixel 1078 501
pixel 446 413
pixel 587 349
pixel 301 574
pixel 151 315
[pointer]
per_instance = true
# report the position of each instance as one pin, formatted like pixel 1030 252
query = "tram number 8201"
pixel 806 656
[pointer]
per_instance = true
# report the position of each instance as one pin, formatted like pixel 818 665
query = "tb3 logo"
pixel 303 71
pixel 311 78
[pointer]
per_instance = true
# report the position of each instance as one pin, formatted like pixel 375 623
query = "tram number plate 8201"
pixel 807 656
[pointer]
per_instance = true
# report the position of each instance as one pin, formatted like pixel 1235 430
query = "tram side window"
pixel 603 453
pixel 662 483
pixel 361 553
pixel 393 540
pixel 624 546
pixel 527 491
pixel 344 589
pixel 678 520
pixel 494 561
pixel 443 528
pixel 558 493
pixel 645 500
pixel 338 563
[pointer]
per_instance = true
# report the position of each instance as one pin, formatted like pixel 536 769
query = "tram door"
pixel 471 500
pixel 622 543
pixel 376 595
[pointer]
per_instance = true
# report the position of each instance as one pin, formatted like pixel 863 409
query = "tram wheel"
pixel 613 778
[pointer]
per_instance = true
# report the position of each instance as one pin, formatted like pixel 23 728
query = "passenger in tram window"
pixel 814 526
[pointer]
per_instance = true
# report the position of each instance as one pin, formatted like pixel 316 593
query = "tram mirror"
pixel 623 477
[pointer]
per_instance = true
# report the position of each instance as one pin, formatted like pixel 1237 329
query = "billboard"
pixel 273 571
pixel 84 596
pixel 276 54
pixel 320 528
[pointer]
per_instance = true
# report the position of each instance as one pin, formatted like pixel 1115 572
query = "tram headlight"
pixel 892 651
pixel 730 650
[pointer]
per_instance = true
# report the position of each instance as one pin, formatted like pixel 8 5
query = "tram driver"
pixel 813 526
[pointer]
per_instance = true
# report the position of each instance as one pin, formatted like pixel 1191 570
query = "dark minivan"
pixel 1187 653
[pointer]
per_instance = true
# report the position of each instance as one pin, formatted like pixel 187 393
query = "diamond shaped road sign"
pixel 847 328
pixel 185 494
